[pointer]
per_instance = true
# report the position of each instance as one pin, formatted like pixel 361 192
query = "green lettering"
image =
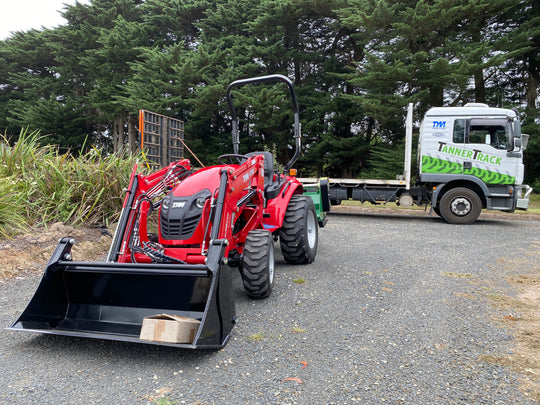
pixel 469 154
pixel 494 160
pixel 444 148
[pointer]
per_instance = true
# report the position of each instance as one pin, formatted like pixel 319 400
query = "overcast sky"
pixel 22 15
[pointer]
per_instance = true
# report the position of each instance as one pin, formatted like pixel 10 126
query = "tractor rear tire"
pixel 257 269
pixel 299 235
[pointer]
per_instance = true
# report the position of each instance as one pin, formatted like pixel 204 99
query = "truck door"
pixel 487 141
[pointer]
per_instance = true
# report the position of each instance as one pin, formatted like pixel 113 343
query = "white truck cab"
pixel 473 157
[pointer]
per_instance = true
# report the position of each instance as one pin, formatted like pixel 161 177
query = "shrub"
pixel 40 185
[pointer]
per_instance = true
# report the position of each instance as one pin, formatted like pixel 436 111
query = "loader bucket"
pixel 110 300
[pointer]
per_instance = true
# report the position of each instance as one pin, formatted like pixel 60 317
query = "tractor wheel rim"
pixel 271 264
pixel 460 206
pixel 311 230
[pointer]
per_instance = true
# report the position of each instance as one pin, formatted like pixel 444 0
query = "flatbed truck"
pixel 469 158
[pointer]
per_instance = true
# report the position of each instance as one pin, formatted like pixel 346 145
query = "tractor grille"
pixel 190 224
pixel 174 229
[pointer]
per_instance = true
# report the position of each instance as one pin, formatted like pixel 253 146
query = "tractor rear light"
pixel 292 172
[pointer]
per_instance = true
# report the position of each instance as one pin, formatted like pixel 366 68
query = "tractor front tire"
pixel 257 269
pixel 299 235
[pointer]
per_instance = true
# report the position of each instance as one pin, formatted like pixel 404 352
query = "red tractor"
pixel 179 234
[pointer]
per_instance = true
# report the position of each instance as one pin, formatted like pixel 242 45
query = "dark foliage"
pixel 356 64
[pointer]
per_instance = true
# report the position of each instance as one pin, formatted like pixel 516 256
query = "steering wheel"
pixel 230 159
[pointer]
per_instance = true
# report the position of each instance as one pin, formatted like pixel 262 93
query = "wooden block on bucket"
pixel 169 328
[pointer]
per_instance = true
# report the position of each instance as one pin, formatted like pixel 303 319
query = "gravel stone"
pixel 394 310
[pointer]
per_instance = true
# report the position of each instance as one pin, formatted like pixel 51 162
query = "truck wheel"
pixel 460 206
pixel 257 267
pixel 299 235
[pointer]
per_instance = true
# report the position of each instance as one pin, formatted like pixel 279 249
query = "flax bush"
pixel 39 185
pixel 12 221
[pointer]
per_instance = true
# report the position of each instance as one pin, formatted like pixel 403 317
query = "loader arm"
pixel 242 189
pixel 134 208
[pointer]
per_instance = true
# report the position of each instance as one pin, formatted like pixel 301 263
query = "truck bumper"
pixel 522 194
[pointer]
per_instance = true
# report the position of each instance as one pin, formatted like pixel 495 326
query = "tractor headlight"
pixel 199 202
pixel 165 203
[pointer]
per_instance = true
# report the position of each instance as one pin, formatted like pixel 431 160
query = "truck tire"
pixel 257 268
pixel 299 235
pixel 460 206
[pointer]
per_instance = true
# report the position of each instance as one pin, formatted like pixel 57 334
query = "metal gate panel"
pixel 161 138
pixel 175 137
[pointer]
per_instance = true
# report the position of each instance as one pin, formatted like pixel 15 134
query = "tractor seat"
pixel 268 166
pixel 271 187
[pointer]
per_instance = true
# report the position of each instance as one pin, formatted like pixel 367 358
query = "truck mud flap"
pixel 109 300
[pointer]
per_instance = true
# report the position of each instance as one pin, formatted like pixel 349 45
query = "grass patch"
pixel 297 329
pixel 534 206
pixel 299 281
pixel 165 401
pixel 256 337
pixel 39 185
pixel 457 275
pixel 12 219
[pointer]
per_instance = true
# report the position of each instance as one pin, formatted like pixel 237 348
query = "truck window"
pixel 499 138
pixel 495 132
pixel 478 134
pixel 459 131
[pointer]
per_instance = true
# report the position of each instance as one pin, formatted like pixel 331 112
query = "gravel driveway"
pixel 394 310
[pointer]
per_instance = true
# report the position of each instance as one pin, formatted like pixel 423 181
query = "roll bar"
pixel 265 79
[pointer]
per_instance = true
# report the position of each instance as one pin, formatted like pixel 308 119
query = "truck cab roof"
pixel 471 109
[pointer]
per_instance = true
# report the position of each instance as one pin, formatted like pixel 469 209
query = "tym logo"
pixel 179 204
pixel 439 124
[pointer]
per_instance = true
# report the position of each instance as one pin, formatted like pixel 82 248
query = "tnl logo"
pixel 439 124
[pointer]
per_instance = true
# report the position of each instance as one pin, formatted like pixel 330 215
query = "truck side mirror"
pixel 524 140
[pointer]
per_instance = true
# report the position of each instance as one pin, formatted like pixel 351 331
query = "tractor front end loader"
pixel 179 234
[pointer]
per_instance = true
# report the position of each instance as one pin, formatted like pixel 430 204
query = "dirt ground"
pixel 525 322
pixel 27 256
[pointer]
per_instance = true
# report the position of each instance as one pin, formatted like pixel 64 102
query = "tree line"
pixel 356 64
